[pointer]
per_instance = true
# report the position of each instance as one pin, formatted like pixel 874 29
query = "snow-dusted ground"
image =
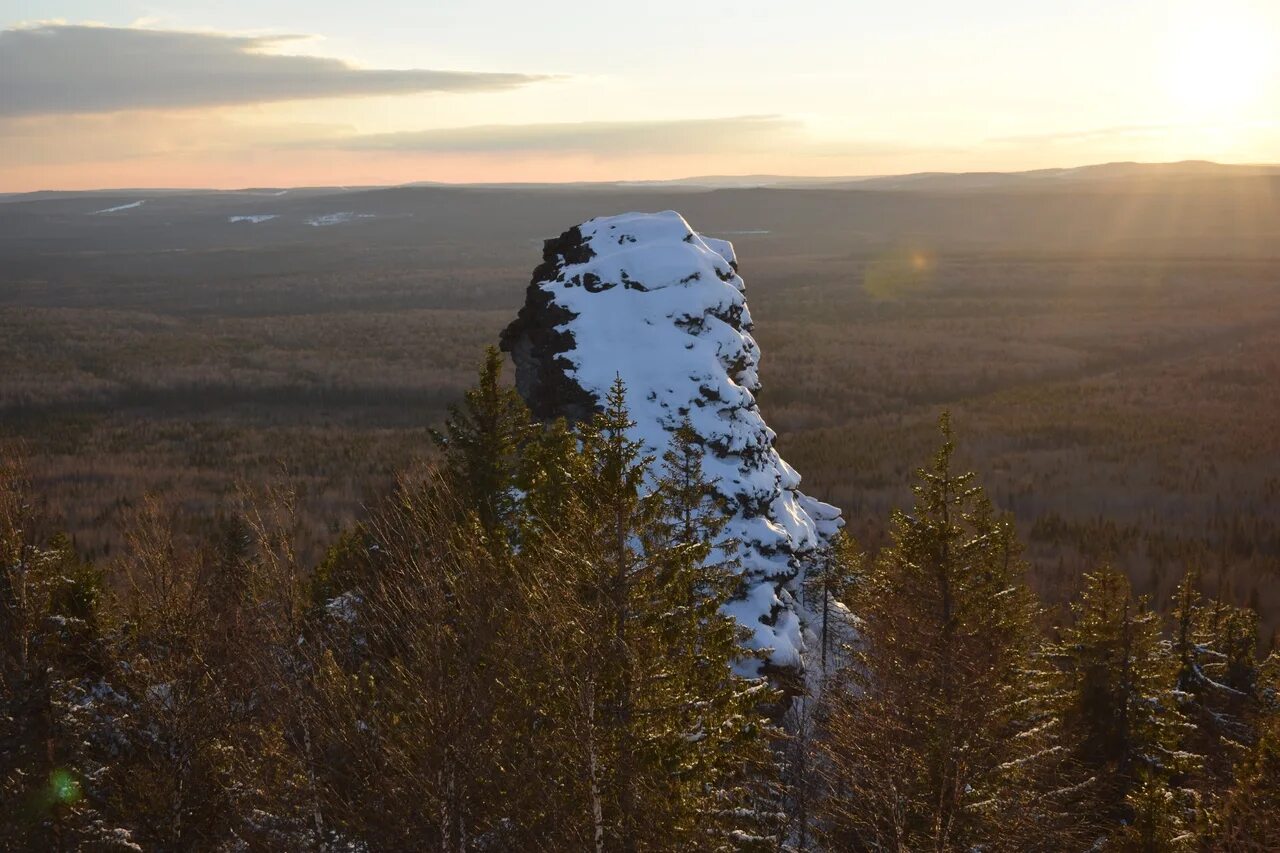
pixel 254 218
pixel 119 208
pixel 337 218
pixel 664 308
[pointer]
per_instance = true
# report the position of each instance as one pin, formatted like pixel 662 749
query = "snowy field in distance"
pixel 119 208
pixel 337 218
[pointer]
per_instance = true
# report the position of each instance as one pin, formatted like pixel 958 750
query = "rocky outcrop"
pixel 644 297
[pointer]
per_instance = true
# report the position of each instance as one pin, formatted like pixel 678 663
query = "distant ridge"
pixel 1127 170
pixel 1038 178
pixel 916 181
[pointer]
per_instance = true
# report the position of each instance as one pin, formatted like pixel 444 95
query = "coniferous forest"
pixel 508 427
pixel 521 648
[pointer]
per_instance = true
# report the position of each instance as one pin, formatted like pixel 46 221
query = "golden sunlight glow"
pixel 1218 64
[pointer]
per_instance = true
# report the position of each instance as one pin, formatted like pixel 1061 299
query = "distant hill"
pixel 916 181
pixel 1180 209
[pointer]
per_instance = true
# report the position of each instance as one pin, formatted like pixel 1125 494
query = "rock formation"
pixel 644 297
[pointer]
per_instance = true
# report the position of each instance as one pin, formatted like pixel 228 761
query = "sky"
pixel 188 93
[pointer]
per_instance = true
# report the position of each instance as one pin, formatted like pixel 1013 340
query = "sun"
pixel 1218 64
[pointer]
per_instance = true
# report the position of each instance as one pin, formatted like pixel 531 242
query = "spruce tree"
pixel 439 671
pixel 1117 694
pixel 717 749
pixel 1159 821
pixel 832 582
pixel 677 748
pixel 53 659
pixel 432 707
pixel 550 469
pixel 483 437
pixel 1219 679
pixel 572 688
pixel 936 738
pixel 1249 817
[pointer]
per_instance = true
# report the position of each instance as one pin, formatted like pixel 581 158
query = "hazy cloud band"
pixel 82 69
pixel 739 133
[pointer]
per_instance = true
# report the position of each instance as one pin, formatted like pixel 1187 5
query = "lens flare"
pixel 63 788
pixel 897 272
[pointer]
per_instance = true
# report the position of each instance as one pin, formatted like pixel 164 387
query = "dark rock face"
pixel 645 298
pixel 536 344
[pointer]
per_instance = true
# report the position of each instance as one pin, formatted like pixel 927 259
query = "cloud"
pixel 52 68
pixel 711 135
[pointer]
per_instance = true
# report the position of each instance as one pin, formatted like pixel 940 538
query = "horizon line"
pixel 682 180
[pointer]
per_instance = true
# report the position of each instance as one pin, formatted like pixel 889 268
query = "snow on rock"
pixel 644 297
pixel 253 218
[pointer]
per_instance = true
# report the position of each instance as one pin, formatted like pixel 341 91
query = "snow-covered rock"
pixel 644 297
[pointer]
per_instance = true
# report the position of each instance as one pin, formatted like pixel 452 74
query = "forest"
pixel 249 602
pixel 886 461
pixel 519 645
pixel 1111 353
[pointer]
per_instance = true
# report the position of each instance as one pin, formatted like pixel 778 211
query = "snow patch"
pixel 338 218
pixel 254 218
pixel 345 607
pixel 119 208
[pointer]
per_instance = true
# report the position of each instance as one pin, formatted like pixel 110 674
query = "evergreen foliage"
pixel 937 740
pixel 1118 676
pixel 523 647
pixel 1250 813
pixel 483 438
pixel 1219 679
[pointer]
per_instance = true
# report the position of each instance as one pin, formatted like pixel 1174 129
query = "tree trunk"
pixel 626 772
pixel 593 772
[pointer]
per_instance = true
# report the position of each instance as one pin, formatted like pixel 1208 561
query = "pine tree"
pixel 935 740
